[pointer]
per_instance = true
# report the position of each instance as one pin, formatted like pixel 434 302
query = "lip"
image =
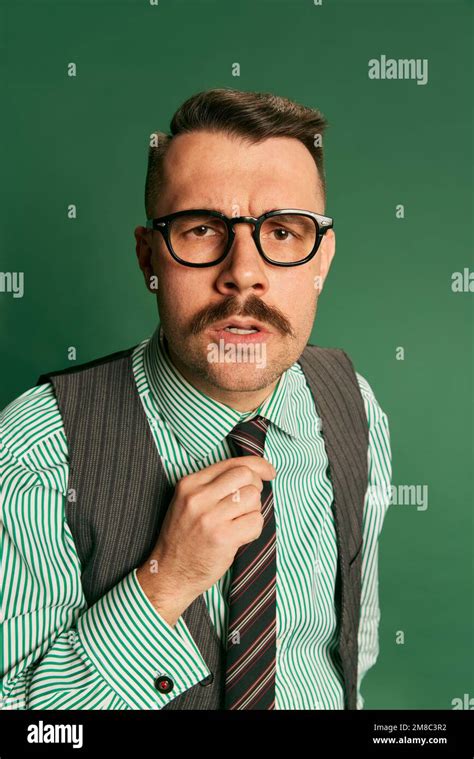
pixel 218 331
pixel 240 324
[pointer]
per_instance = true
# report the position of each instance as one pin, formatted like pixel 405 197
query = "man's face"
pixel 227 174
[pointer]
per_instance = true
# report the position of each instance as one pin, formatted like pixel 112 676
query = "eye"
pixel 200 231
pixel 288 228
pixel 281 233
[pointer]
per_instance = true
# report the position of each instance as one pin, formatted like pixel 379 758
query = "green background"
pixel 84 140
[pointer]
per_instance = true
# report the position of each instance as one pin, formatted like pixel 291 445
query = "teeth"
pixel 237 331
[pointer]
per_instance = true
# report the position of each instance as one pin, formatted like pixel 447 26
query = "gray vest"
pixel 122 494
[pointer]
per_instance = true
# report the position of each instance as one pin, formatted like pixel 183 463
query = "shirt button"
pixel 164 684
pixel 207 680
pixel 278 642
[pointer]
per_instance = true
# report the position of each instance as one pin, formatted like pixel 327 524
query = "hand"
pixel 213 512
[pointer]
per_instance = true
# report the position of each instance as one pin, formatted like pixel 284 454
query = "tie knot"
pixel 248 437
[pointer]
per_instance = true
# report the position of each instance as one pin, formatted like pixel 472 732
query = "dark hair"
pixel 252 115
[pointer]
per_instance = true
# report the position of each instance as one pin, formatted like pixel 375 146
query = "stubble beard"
pixel 236 376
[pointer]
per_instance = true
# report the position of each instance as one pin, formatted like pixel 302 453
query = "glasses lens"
pixel 198 238
pixel 288 238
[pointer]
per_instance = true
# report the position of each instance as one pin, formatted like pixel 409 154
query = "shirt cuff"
pixel 130 644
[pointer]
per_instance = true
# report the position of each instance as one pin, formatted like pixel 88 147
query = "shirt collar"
pixel 187 409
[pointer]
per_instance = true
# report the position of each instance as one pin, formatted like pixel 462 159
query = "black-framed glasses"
pixel 199 237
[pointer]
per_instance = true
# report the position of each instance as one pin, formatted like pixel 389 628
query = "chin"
pixel 245 371
pixel 242 378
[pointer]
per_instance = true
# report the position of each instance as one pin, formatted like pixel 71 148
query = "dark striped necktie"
pixel 251 633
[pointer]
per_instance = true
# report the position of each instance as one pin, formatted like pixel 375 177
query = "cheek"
pixel 295 296
pixel 183 293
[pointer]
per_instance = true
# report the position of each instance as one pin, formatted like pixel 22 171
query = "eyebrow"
pixel 216 207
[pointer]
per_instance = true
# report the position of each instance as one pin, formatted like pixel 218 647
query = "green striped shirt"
pixel 59 654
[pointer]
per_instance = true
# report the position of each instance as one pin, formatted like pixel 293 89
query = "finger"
pixel 246 528
pixel 263 468
pixel 231 481
pixel 243 501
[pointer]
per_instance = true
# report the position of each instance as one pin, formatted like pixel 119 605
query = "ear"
pixel 326 253
pixel 144 251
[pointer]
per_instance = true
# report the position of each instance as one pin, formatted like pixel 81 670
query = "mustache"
pixel 253 306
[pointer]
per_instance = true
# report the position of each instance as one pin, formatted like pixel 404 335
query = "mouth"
pixel 240 330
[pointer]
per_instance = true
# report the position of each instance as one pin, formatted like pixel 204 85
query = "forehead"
pixel 221 171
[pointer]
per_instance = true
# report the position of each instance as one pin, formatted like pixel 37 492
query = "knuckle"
pixel 192 500
pixel 244 473
pixel 252 496
pixel 260 521
pixel 256 518
pixel 179 487
pixel 258 484
pixel 254 492
pixel 203 522
pixel 182 486
pixel 219 537
pixel 255 525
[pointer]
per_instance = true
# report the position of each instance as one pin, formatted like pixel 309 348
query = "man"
pixel 193 523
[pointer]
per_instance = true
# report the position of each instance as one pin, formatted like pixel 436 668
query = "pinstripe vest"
pixel 122 494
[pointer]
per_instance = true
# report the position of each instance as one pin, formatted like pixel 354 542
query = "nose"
pixel 243 270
